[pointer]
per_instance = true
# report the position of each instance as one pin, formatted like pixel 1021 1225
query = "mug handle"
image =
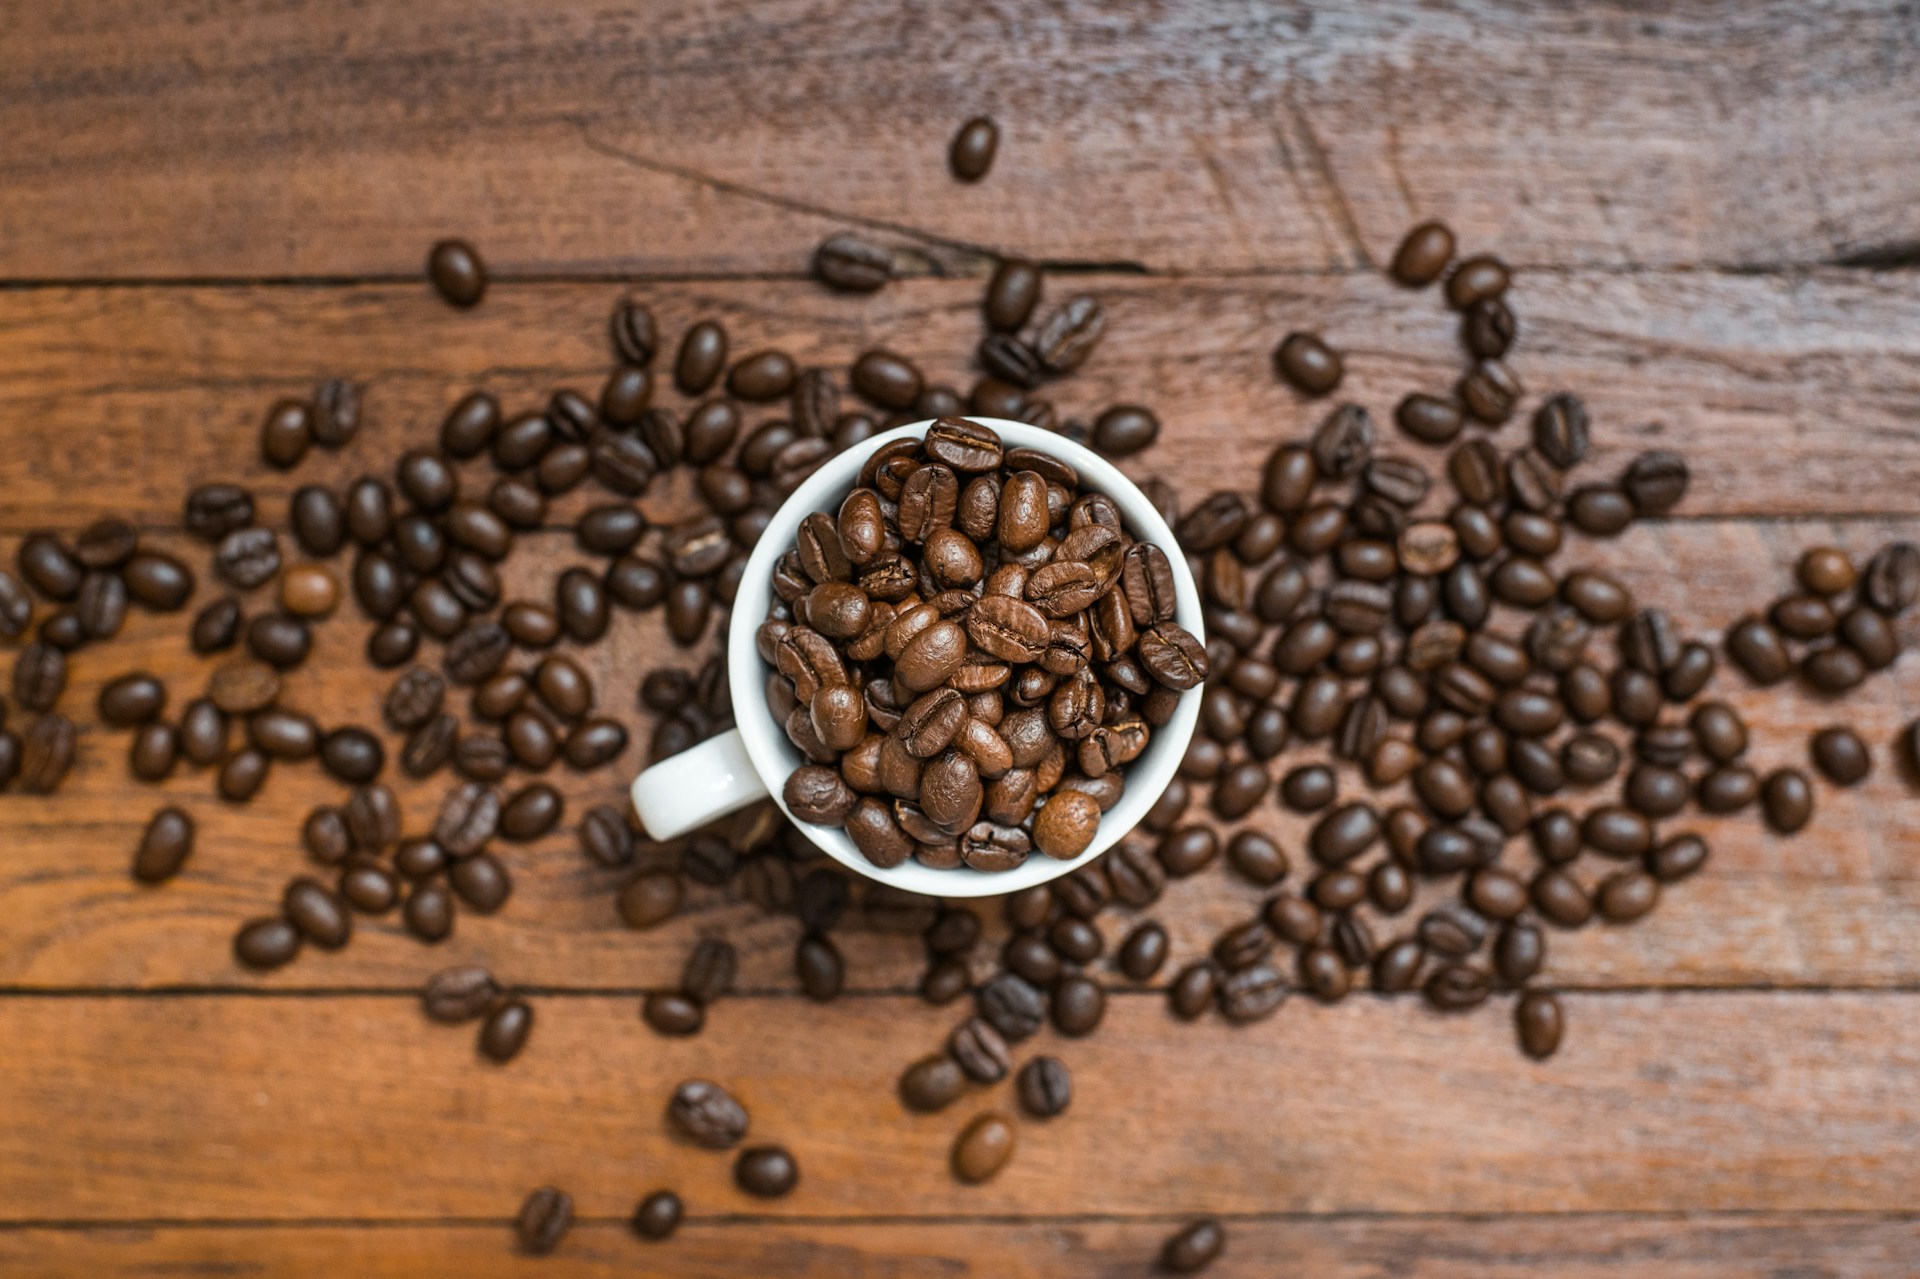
pixel 696 786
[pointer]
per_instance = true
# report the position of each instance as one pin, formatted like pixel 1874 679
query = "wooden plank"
pixel 1789 396
pixel 263 1109
pixel 1557 1247
pixel 1836 906
pixel 676 137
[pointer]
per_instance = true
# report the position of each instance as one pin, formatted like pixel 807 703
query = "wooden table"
pixel 204 207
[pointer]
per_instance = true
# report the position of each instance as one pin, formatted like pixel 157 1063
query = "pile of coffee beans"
pixel 972 635
pixel 1492 743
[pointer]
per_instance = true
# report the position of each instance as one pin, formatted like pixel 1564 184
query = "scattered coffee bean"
pixel 766 1172
pixel 457 273
pixel 547 1214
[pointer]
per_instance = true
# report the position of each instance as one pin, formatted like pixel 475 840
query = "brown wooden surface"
pixel 210 208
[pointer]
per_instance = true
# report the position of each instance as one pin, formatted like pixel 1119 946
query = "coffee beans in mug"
pixel 950 769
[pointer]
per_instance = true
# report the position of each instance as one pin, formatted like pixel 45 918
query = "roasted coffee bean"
pixel 971 153
pixel 672 1013
pixel 1840 755
pixel 530 812
pixel 286 435
pixel 320 916
pixel 165 846
pixel 1656 481
pixel 158 580
pixel 819 968
pixel 456 995
pixel 1540 1023
pixel 1308 364
pixel 266 943
pixel 708 1115
pixel 658 1215
pixel 50 567
pixel 16 606
pixel 980 1051
pixel 983 1148
pixel 1067 337
pixel 1423 255
pixel 1487 328
pixel 1787 800
pixel 1252 994
pixel 506 1030
pixel 1560 431
pixel 547 1214
pixel 709 970
pixel 932 1084
pixel 1011 1006
pixel 40 677
pixel 101 607
pixel 45 753
pixel 460 278
pixel 242 776
pixel 283 734
pixel 1678 858
pixel 766 1172
pixel 279 640
pixel 1627 895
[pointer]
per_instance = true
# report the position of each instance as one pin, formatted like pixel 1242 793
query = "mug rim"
pixel 774 757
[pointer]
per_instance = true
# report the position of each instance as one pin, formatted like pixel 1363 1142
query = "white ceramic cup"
pixel 752 761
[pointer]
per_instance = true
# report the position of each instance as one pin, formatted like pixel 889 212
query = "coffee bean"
pixel 547 1214
pixel 1125 429
pixel 1560 430
pixel 766 1172
pixel 1840 755
pixel 1067 337
pixel 709 971
pixel 531 812
pixel 971 154
pixel 1487 328
pixel 932 1084
pixel 158 580
pixel 1656 481
pixel 650 899
pixel 672 1013
pixel 266 943
pixel 165 847
pixel 658 1215
pixel 983 1148
pixel 462 994
pixel 1458 987
pixel 1423 255
pixel 456 272
pixel 320 916
pixel 1540 1024
pixel 1787 800
pixel 353 755
pixel 851 264
pixel 980 1051
pixel 286 435
pixel 1045 1087
pixel 40 676
pixel 45 753
pixel 817 965
pixel 429 912
pixel 1252 994
pixel 708 1115
pixel 1308 364
pixel 506 1030
pixel 16 606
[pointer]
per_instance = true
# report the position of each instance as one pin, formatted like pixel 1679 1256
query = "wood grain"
pixel 321 140
pixel 1790 397
pixel 1857 1246
pixel 1835 906
pixel 276 1108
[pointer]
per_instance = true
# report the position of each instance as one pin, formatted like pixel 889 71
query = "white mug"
pixel 751 762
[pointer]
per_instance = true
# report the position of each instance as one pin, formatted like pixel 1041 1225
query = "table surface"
pixel 207 206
